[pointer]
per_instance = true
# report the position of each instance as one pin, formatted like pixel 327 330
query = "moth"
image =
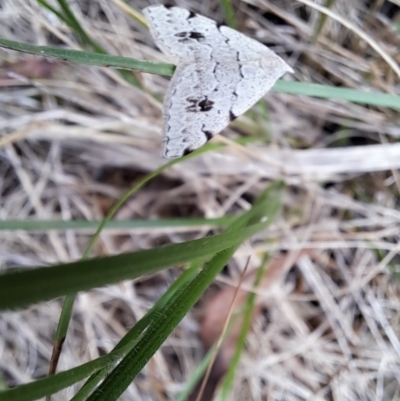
pixel 220 74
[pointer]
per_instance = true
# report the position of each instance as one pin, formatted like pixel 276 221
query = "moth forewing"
pixel 220 74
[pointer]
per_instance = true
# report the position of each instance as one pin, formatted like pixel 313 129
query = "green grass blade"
pixel 3 385
pixel 52 384
pixel 61 333
pixel 125 372
pixel 132 336
pixel 289 87
pixel 61 380
pixel 249 216
pixel 140 184
pixel 266 205
pixel 66 311
pixel 82 57
pixel 115 384
pixel 229 13
pixel 46 5
pixel 334 93
pixel 69 18
pixel 78 225
pixel 120 378
pixel 19 288
pixel 74 24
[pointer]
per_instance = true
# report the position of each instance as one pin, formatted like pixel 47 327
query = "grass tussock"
pixel 74 138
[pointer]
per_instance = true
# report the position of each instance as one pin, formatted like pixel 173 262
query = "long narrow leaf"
pixel 255 213
pixel 120 378
pixel 66 311
pixel 52 384
pixel 44 225
pixel 73 23
pixel 69 18
pixel 132 337
pixel 41 284
pixel 82 57
pixel 229 13
pixel 332 92
pixel 46 5
pixel 294 88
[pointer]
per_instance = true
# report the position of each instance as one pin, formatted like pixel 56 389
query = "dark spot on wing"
pixel 168 5
pixel 186 36
pixel 208 134
pixel 191 15
pixel 193 104
pixel 196 35
pixel 219 24
pixel 206 105
pixel 197 105
pixel 232 116
pixel 187 151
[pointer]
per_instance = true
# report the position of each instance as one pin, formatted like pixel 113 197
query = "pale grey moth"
pixel 220 74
